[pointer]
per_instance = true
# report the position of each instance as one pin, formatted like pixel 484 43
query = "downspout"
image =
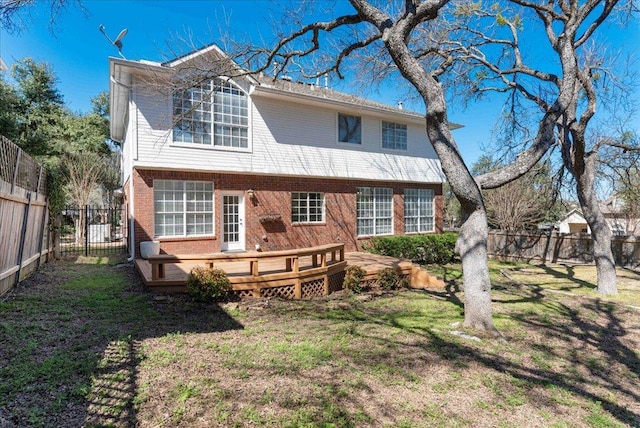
pixel 132 146
pixel 116 80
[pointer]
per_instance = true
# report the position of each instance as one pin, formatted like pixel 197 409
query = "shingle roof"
pixel 298 88
pixel 323 92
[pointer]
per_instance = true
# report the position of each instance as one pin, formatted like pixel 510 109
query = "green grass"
pixel 85 339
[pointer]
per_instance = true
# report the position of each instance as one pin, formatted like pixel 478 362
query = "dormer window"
pixel 213 113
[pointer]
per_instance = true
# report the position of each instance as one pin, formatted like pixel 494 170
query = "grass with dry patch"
pixel 396 359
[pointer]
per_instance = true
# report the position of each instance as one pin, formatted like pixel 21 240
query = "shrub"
pixel 353 278
pixel 425 249
pixel 208 285
pixel 389 279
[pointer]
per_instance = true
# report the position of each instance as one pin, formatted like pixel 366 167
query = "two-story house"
pixel 253 162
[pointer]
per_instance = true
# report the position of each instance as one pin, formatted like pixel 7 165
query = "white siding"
pixel 286 139
pixel 574 218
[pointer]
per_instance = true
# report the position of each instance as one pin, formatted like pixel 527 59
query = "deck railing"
pixel 291 280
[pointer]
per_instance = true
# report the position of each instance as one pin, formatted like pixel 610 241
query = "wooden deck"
pixel 243 279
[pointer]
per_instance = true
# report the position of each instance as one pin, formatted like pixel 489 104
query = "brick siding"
pixel 272 195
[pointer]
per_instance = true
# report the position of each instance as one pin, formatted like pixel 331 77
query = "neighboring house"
pixel 621 222
pixel 256 163
pixel 573 222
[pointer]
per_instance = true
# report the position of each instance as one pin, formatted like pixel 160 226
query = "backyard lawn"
pixel 83 344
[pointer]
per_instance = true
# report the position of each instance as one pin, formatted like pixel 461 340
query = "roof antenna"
pixel 117 42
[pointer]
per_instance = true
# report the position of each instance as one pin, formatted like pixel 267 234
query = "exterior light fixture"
pixel 250 193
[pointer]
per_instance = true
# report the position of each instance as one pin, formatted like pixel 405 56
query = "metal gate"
pixel 93 231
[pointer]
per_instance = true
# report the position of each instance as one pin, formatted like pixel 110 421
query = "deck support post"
pixel 157 271
pixel 297 289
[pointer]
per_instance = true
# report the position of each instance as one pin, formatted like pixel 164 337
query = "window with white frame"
pixel 418 210
pixel 394 136
pixel 213 113
pixel 307 207
pixel 349 129
pixel 374 211
pixel 182 208
pixel 618 230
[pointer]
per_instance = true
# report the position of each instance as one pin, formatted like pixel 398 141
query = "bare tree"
pixel 83 173
pixel 427 43
pixel 12 11
pixel 403 33
pixel 621 169
pixel 568 28
pixel 523 203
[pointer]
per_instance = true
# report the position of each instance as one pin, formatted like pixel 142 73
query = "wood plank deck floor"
pixel 176 274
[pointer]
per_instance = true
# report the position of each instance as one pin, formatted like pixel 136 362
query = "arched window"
pixel 213 113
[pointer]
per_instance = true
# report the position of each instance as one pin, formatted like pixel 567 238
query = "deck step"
pixel 420 278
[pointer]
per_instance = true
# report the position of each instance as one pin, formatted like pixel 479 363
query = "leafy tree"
pixel 40 111
pixel 9 102
pixel 68 144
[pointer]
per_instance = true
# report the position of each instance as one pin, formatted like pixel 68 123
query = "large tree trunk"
pixel 472 239
pixel 600 231
pixel 472 247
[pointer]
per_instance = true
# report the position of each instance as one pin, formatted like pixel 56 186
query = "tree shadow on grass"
pixel 570 276
pixel 585 353
pixel 69 343
pixel 451 290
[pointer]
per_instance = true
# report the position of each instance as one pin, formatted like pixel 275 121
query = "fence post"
pixel 15 171
pixel 23 234
pixel 42 226
pixel 40 168
pixel 55 236
pixel 86 230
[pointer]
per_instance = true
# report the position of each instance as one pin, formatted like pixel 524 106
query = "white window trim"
pixel 433 212
pixel 324 210
pixel 213 212
pixel 248 149
pixel 392 233
pixel 382 137
pixel 346 143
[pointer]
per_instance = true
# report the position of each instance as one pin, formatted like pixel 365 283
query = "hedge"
pixel 425 249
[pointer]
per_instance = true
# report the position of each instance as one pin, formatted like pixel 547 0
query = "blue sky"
pixel 78 52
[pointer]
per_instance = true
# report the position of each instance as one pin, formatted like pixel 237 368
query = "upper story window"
pixel 394 136
pixel 349 129
pixel 213 113
pixel 307 207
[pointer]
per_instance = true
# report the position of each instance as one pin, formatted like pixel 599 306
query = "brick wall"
pixel 272 196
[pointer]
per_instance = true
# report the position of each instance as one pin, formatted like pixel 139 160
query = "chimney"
pixel 400 105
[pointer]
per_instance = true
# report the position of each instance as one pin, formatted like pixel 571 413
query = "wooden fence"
pixel 24 215
pixel 554 247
